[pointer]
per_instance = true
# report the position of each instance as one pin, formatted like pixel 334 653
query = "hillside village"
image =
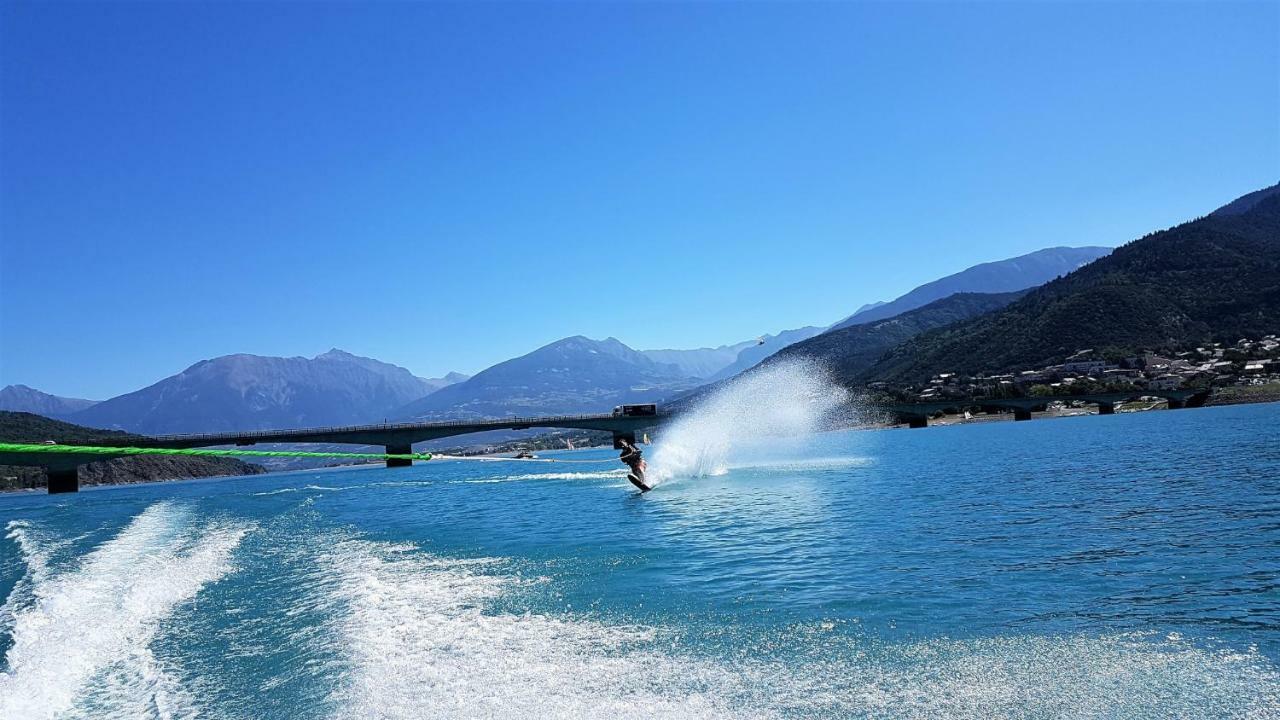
pixel 1244 363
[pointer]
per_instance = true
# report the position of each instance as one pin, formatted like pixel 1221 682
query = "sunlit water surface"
pixel 1122 566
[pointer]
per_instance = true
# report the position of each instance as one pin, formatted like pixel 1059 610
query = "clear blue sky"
pixel 445 186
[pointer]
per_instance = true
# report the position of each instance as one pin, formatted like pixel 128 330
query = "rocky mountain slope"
pixel 20 398
pixel 573 375
pixel 245 392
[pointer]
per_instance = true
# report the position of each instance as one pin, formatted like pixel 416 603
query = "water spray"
pixel 791 399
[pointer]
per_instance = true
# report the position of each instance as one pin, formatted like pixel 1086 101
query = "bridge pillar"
pixel 399 450
pixel 918 421
pixel 64 481
pixel 1106 408
pixel 1021 414
pixel 1176 404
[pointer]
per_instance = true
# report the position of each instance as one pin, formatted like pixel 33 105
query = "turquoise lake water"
pixel 1121 566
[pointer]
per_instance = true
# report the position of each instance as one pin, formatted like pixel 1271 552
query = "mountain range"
pixel 573 375
pixel 20 398
pixel 576 374
pixel 247 392
pixel 702 362
pixel 1214 277
pixel 756 352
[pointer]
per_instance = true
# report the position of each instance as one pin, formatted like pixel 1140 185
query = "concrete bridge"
pixel 917 415
pixel 398 439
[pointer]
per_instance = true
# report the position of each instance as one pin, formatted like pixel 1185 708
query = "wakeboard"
pixel 638 483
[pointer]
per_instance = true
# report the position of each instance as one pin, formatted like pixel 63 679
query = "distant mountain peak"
pixel 757 351
pixel 22 398
pixel 243 392
pixel 704 362
pixel 999 276
pixel 570 375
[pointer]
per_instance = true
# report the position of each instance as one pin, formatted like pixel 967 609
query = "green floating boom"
pixel 120 451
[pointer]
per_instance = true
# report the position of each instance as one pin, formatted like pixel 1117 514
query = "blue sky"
pixel 445 186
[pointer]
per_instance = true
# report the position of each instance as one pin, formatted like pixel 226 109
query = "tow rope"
pixel 119 451
pixel 492 458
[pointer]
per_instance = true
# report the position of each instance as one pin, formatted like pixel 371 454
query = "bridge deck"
pixel 400 434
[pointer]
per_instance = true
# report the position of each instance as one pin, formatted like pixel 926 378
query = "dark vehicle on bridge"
pixel 649 410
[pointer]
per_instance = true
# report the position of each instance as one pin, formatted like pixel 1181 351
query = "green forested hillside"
pixel 1215 278
pixel 849 351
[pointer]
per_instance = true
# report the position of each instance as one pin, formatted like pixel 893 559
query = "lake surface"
pixel 1121 566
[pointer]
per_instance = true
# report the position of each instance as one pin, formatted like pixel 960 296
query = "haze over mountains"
pixel 702 362
pixel 1215 277
pixel 755 353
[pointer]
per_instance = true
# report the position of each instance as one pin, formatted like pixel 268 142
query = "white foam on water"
pixel 36 548
pixel 770 413
pixel 1132 675
pixel 419 642
pixel 799 463
pixel 596 475
pixel 81 645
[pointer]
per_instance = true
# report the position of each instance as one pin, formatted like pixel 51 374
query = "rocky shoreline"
pixel 30 428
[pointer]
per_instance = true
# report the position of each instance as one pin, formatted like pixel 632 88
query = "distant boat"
pixel 525 455
pixel 570 444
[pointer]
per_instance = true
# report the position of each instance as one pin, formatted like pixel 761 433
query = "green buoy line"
pixel 120 451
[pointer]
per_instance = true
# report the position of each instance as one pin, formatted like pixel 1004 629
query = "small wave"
pixel 81 646
pixel 312 488
pixel 36 548
pixel 600 475
pixel 803 463
pixel 420 642
pixel 603 474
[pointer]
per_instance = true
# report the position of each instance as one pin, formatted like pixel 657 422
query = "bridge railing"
pixel 498 423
